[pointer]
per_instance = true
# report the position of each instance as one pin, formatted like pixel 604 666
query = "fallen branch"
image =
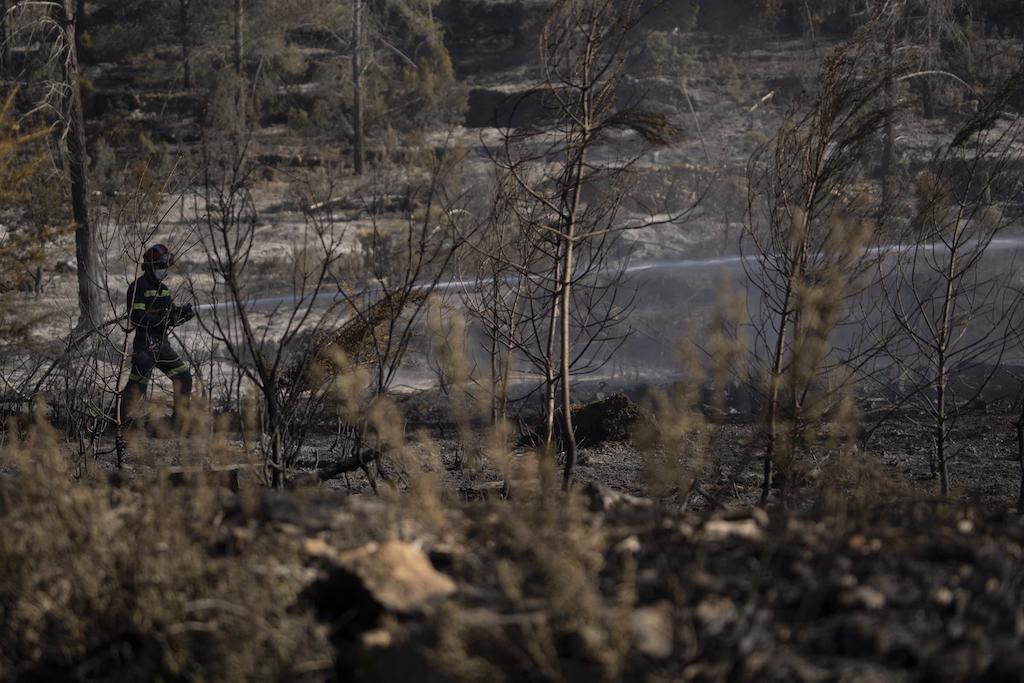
pixel 350 464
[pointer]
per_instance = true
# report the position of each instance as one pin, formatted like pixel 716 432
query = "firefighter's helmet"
pixel 157 256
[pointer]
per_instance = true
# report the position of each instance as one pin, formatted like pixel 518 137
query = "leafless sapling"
pixel 952 309
pixel 808 234
pixel 584 44
pixel 263 344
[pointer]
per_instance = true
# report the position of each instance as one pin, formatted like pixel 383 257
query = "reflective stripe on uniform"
pixel 157 292
pixel 138 307
pixel 174 372
pixel 135 377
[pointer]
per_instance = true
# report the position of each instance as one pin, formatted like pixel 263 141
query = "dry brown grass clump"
pixel 547 599
pixel 355 338
pixel 144 583
pixel 852 482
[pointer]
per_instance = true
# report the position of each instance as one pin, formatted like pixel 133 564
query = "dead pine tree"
pixel 54 27
pixel 807 231
pixel 185 37
pixel 939 25
pixel 396 68
pixel 77 162
pixel 510 289
pixel 238 44
pixel 368 35
pixel 5 39
pixel 888 164
pixel 358 141
pixel 915 36
pixel 946 293
pixel 583 47
pixel 1018 428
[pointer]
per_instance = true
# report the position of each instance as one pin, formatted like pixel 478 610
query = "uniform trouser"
pixel 157 353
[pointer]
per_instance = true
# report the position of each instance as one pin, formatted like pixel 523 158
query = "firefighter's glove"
pixel 182 314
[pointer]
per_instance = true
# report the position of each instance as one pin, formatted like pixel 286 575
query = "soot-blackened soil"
pixel 722 471
pixel 658 572
pixel 627 590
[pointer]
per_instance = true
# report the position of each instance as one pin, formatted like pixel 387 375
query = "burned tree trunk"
pixel 1020 459
pixel 550 386
pixel 239 45
pixel 79 24
pixel 942 383
pixel 85 240
pixel 927 90
pixel 772 418
pixel 568 266
pixel 185 27
pixel 358 153
pixel 569 437
pixel 5 39
pixel 889 133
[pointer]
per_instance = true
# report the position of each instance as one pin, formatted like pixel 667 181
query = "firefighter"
pixel 152 313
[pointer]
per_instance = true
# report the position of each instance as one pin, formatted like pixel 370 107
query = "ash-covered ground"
pixel 453 572
pixel 454 561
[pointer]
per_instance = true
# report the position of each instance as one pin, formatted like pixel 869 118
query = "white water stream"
pixel 995 245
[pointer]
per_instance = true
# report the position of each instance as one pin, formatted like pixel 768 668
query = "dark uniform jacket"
pixel 152 313
pixel 151 310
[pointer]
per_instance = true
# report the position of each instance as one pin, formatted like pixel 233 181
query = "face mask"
pixel 160 273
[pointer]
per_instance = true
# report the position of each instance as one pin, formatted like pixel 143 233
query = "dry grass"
pixel 142 580
pixel 852 482
pixel 354 341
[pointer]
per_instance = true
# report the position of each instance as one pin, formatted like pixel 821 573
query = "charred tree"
pixel 185 36
pixel 954 311
pixel 584 44
pixel 889 130
pixel 5 39
pixel 1018 426
pixel 77 160
pixel 358 153
pixel 239 46
pixel 808 228
pixel 1020 459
